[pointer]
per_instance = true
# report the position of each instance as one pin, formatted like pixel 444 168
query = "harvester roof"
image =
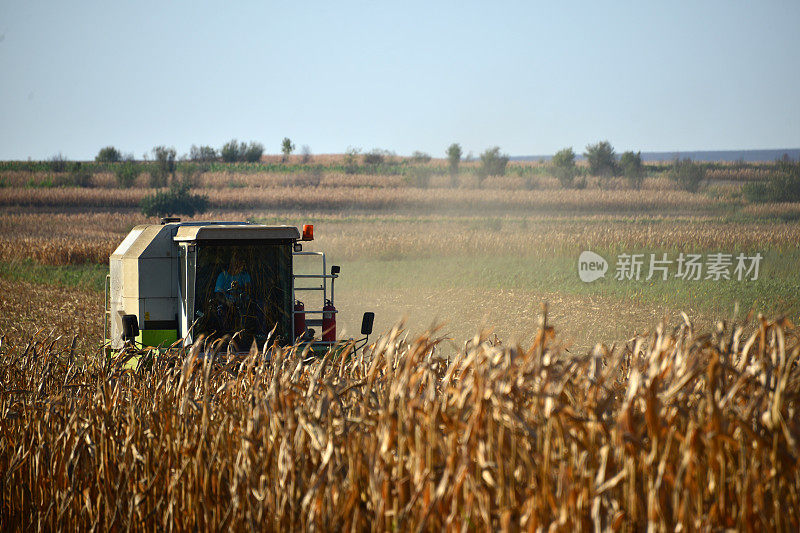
pixel 229 232
pixel 157 240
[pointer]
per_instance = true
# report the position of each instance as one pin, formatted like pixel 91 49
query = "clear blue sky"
pixel 529 77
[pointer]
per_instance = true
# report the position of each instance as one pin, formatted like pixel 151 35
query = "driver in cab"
pixel 232 282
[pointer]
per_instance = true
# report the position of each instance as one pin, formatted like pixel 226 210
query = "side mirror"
pixel 335 269
pixel 366 323
pixel 130 327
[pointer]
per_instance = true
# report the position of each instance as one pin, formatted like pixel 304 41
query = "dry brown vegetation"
pixel 676 431
pixel 56 251
pixel 359 198
pixel 673 429
pixel 734 173
pixel 63 238
pixel 43 310
pixel 81 237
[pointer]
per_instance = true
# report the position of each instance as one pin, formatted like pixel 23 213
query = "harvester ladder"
pixel 308 279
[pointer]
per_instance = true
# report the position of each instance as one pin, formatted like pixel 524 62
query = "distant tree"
pixel 602 159
pixel 174 201
pixel 632 168
pixel 286 148
pixel 306 152
pixel 163 167
pixel 109 154
pixel 58 163
pixel 202 153
pixel 758 192
pixel 351 159
pixel 687 174
pixel 375 157
pixel 232 151
pixel 420 157
pixel 69 173
pixel 493 163
pixel 190 172
pixel 453 159
pixel 783 184
pixel 564 167
pixel 126 173
pixel 252 152
pixel 79 174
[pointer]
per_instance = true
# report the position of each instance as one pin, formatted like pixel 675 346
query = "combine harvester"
pixel 180 280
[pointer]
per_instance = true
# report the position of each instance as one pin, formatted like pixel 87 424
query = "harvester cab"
pixel 180 280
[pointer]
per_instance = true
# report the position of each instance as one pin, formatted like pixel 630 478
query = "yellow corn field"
pixel 75 238
pixel 365 198
pixel 677 430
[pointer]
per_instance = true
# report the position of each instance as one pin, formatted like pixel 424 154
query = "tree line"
pixel 602 159
pixel 166 170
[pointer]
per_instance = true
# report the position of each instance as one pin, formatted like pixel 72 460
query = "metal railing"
pixel 324 277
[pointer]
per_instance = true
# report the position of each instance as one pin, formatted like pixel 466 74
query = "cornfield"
pixel 736 174
pixel 56 251
pixel 674 430
pixel 343 199
pixel 79 238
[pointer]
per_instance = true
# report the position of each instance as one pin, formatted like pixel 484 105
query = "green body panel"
pixel 157 337
pixel 163 338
